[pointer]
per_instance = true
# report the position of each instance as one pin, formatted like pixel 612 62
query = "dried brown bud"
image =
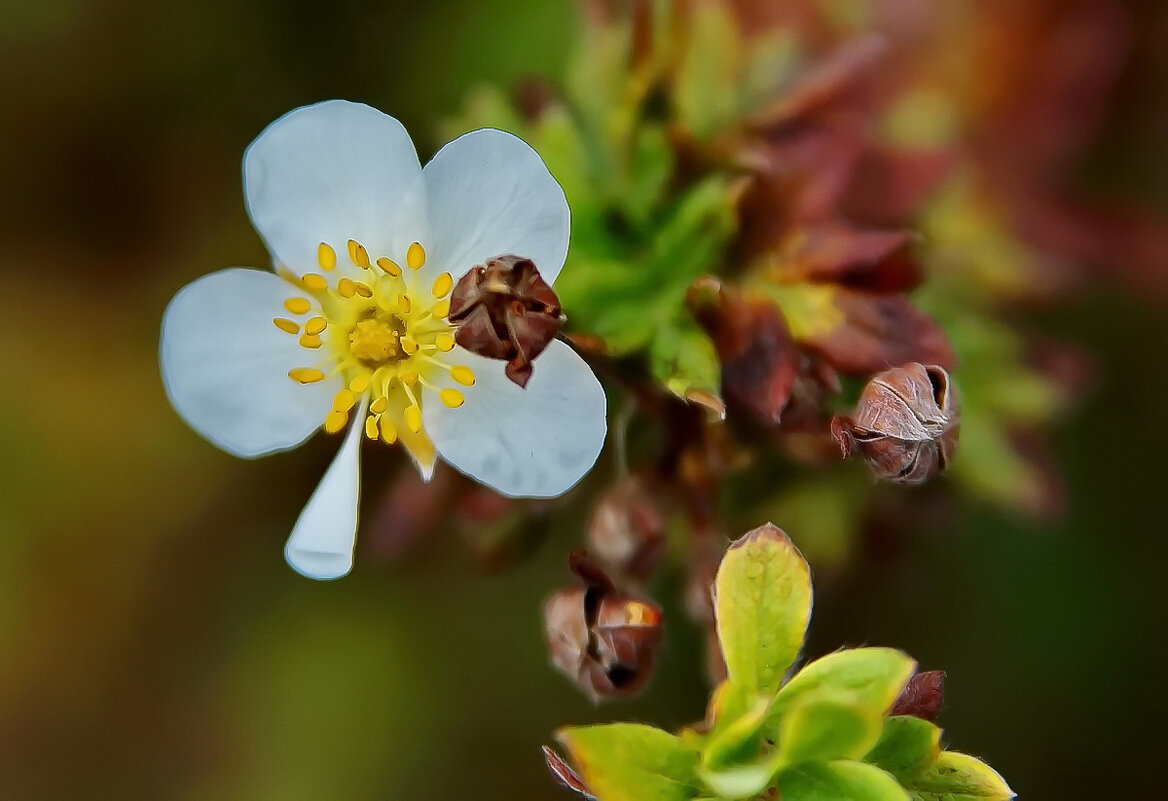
pixel 604 640
pixel 906 423
pixel 505 310
pixel 923 697
pixel 627 531
pixel 565 775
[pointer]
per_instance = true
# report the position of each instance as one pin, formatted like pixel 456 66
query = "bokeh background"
pixel 153 644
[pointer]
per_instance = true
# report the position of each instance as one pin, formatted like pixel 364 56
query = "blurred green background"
pixel 155 645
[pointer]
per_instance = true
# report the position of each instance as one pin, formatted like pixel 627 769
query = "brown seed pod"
pixel 923 696
pixel 604 640
pixel 906 423
pixel 505 310
pixel 627 531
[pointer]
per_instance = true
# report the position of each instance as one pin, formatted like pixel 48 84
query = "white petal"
pixel 489 194
pixel 225 364
pixel 321 545
pixel 534 442
pixel 333 172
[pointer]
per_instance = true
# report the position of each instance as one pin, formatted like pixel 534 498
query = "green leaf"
pixel 839 781
pixel 706 91
pixel 632 762
pixel 763 604
pixel 736 736
pixel 876 675
pixel 907 746
pixel 959 777
pixel 828 724
pixel 683 359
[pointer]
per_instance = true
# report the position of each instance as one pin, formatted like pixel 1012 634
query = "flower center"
pixel 385 334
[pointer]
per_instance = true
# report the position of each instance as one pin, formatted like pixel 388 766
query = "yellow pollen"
pixel 306 375
pixel 326 257
pixel 452 398
pixel 297 305
pixel 442 285
pixel 409 345
pixel 364 290
pixel 378 406
pixel 403 303
pixel 463 375
pixel 286 325
pixel 343 401
pixel 414 419
pixel 415 256
pixel 358 255
pixel 315 325
pixel 346 288
pixel 444 342
pixel 334 421
pixel 359 384
pixel 314 282
pixel 408 377
pixel 310 341
pixel 373 341
pixel 390 266
pixel 371 427
pixel 388 431
pixel 441 309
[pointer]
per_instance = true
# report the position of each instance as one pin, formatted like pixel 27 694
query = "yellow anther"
pixel 334 421
pixel 306 375
pixel 442 285
pixel 297 305
pixel 441 309
pixel 444 342
pixel 409 345
pixel 358 255
pixel 310 341
pixel 346 288
pixel 314 282
pixel 326 257
pixel 343 401
pixel 414 418
pixel 390 266
pixel 408 377
pixel 315 325
pixel 415 255
pixel 452 398
pixel 463 375
pixel 403 303
pixel 364 290
pixel 371 427
pixel 378 406
pixel 388 431
pixel 286 325
pixel 359 384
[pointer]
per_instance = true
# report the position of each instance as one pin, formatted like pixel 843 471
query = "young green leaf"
pixel 907 746
pixel 762 604
pixel 876 675
pixel 959 777
pixel 632 762
pixel 842 780
pixel 828 724
pixel 736 737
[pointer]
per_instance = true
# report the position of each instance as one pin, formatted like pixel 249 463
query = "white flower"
pixel 352 327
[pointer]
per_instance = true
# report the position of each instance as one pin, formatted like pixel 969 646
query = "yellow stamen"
pixel 286 325
pixel 409 345
pixel 415 256
pixel 306 375
pixel 364 290
pixel 343 401
pixel 326 257
pixel 315 325
pixel 441 309
pixel 314 282
pixel 359 384
pixel 310 341
pixel 452 398
pixel 408 377
pixel 444 342
pixel 371 427
pixel 442 285
pixel 297 305
pixel 403 304
pixel 358 255
pixel 334 421
pixel 346 288
pixel 388 431
pixel 390 266
pixel 378 406
pixel 414 419
pixel 463 375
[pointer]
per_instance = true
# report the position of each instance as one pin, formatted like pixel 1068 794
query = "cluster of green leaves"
pixel 824 734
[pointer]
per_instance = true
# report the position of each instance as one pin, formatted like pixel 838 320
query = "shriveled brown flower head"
pixel 505 310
